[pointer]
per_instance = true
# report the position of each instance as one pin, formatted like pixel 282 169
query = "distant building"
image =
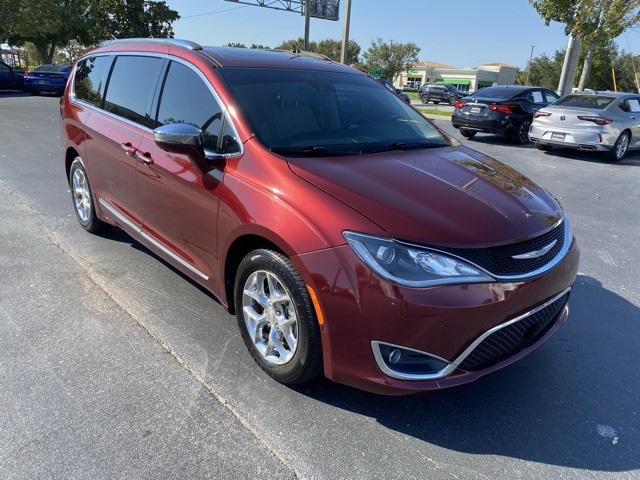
pixel 466 79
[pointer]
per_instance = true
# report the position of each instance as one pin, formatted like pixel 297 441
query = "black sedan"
pixel 504 109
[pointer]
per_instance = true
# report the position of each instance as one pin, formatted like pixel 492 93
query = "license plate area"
pixel 475 109
pixel 557 136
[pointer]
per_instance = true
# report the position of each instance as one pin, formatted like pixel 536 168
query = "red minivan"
pixel 349 235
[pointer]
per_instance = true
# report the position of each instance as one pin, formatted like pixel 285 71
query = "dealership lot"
pixel 114 365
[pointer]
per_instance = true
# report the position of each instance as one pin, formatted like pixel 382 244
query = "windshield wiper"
pixel 406 146
pixel 310 150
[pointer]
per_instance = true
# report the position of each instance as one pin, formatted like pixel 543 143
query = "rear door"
pixel 6 76
pixel 632 112
pixel 115 134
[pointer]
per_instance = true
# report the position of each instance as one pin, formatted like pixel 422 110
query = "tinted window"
pixel 4 68
pixel 90 79
pixel 499 92
pixel 131 87
pixel 187 99
pixel 313 110
pixel 585 101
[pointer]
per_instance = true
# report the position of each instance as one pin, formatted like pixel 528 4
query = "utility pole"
pixel 529 66
pixel 344 53
pixel 307 20
pixel 569 67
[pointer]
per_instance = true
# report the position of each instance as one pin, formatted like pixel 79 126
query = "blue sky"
pixel 459 33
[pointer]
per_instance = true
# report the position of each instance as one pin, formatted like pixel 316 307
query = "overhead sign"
pixel 375 73
pixel 324 9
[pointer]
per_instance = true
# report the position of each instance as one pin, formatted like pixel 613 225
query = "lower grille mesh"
pixel 511 339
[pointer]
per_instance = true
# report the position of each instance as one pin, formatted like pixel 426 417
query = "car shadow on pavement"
pixel 573 403
pixel 631 158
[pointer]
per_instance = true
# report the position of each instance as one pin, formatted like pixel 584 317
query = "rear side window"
pixel 131 87
pixel 187 99
pixel 90 79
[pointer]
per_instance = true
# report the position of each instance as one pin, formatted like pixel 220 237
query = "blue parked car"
pixel 47 78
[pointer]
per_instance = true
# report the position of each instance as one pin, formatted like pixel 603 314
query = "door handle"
pixel 128 149
pixel 144 157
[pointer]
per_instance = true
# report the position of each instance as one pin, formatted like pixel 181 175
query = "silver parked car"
pixel 604 121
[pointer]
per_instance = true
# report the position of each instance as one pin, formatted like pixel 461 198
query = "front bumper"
pixel 452 323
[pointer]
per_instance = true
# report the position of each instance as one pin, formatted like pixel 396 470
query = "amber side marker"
pixel 316 305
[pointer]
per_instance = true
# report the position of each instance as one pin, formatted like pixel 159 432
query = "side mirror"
pixel 185 139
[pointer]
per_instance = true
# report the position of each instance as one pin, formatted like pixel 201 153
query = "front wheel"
pixel 424 99
pixel 83 198
pixel 276 317
pixel 452 101
pixel 619 148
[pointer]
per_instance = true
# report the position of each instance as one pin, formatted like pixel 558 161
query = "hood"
pixel 451 196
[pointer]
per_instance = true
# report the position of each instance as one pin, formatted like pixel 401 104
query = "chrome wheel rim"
pixel 81 194
pixel 270 317
pixel 621 146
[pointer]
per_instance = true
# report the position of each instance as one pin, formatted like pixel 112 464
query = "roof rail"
pixel 162 41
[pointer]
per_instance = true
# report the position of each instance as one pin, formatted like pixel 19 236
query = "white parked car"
pixel 604 121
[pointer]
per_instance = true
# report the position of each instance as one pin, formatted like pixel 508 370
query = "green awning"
pixel 454 81
pixel 484 83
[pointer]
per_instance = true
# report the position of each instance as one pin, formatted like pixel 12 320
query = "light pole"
pixel 344 53
pixel 529 66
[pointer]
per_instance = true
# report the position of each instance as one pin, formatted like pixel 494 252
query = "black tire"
pixel 619 148
pixel 543 146
pixel 279 328
pixel 521 135
pixel 452 101
pixel 467 133
pixel 83 201
pixel 424 98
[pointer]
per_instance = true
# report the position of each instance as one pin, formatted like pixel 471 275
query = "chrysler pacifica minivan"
pixel 349 236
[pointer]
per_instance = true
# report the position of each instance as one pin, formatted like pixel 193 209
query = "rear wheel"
pixel 424 98
pixel 467 133
pixel 83 198
pixel 522 133
pixel 620 148
pixel 276 317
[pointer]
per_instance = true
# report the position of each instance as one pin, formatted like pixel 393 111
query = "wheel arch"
pixel 239 249
pixel 69 156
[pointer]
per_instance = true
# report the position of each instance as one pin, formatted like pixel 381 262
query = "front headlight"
pixel 412 266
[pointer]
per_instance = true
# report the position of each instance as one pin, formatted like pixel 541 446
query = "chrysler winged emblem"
pixel 535 253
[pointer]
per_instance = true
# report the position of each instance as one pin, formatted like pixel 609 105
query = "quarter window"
pixel 187 99
pixel 131 87
pixel 90 79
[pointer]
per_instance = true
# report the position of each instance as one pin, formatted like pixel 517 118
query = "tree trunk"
pixel 586 67
pixel 46 52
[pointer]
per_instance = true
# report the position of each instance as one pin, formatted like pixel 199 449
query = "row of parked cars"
pixel 608 122
pixel 45 78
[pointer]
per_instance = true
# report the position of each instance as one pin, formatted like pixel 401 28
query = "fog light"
pixel 394 356
pixel 406 363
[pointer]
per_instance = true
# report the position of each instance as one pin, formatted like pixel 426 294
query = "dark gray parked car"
pixel 440 92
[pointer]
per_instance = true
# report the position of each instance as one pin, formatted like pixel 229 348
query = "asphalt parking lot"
pixel 114 365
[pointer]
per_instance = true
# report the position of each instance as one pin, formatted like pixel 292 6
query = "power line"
pixel 213 13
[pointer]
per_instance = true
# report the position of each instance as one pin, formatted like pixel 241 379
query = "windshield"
pixel 327 113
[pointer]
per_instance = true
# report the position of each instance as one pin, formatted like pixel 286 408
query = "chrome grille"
pixel 499 260
pixel 509 340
